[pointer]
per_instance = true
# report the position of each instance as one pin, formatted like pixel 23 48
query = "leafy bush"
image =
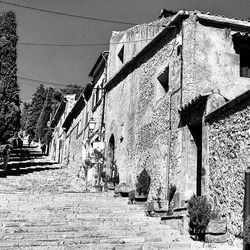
pixel 199 211
pixel 246 231
pixel 143 182
pixel 171 193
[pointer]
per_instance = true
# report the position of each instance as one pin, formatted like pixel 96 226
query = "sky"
pixel 71 64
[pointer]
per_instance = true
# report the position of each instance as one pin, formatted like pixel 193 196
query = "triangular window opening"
pixel 121 54
pixel 163 78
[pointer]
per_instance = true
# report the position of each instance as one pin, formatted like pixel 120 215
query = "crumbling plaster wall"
pixel 133 40
pixel 97 109
pixel 229 148
pixel 214 62
pixel 137 113
pixel 73 150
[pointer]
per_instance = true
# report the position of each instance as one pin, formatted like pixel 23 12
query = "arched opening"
pixel 112 169
pixel 112 147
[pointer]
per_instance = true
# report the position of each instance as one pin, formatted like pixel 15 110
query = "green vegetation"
pixel 143 182
pixel 199 212
pixel 10 112
pixel 246 231
pixel 44 103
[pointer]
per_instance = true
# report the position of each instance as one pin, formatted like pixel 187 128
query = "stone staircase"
pixel 45 207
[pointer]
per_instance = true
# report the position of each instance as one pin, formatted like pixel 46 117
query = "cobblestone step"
pixel 45 207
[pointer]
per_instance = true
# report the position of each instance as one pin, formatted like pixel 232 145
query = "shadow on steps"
pixel 26 168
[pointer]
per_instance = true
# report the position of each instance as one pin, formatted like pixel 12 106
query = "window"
pixel 163 78
pixel 93 99
pixel 87 118
pixel 121 54
pixel 97 95
pixel 77 130
pixel 245 63
pixel 242 47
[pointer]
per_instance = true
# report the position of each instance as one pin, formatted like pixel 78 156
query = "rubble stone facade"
pixel 147 88
pixel 163 81
pixel 229 157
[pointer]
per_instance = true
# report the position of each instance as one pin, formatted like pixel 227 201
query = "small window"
pixel 121 54
pixel 245 63
pixel 163 78
pixel 97 95
pixel 93 99
pixel 87 118
pixel 242 48
pixel 77 130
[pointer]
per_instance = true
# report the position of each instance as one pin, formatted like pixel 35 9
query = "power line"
pixel 67 14
pixel 80 44
pixel 76 16
pixel 40 81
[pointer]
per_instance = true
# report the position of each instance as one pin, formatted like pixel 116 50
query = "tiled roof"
pixel 191 104
pixel 222 16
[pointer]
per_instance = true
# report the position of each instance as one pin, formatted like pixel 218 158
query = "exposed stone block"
pixel 216 227
pixel 123 188
pixel 216 238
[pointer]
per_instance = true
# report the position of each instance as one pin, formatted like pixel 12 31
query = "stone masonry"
pixel 229 156
pixel 196 53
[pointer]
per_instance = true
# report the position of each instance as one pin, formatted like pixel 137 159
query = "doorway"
pixel 111 155
pixel 194 157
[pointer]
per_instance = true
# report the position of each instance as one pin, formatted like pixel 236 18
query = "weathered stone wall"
pixel 73 150
pixel 229 149
pixel 209 63
pixel 140 115
pixel 133 40
pixel 137 113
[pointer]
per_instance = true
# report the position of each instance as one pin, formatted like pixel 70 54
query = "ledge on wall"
pixel 237 103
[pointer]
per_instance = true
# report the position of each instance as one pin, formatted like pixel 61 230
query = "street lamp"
pixel 92 124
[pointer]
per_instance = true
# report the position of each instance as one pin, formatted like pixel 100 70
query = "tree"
pixel 43 133
pixel 35 110
pixel 10 112
pixel 25 115
pixel 43 106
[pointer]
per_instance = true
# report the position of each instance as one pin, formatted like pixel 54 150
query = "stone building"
pixel 58 136
pixel 80 139
pixel 163 79
pixel 163 89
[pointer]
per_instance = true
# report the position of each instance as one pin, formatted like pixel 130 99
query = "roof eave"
pixel 79 105
pixel 99 63
pixel 224 21
pixel 214 115
pixel 58 113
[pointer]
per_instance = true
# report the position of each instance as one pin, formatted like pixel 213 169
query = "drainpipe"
pixel 170 108
pixel 103 94
pixel 181 77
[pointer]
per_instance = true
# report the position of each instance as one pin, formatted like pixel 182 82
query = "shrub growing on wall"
pixel 199 211
pixel 246 231
pixel 143 182
pixel 171 192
